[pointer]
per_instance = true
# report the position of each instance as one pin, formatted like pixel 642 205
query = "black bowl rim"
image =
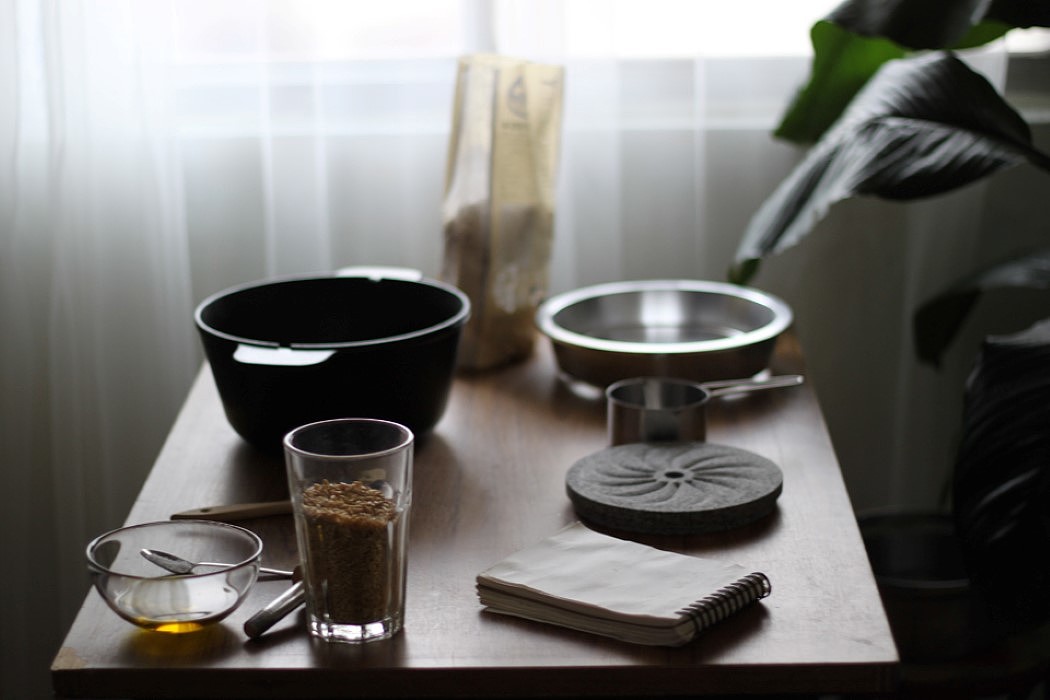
pixel 457 319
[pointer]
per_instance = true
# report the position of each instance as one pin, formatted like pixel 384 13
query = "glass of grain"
pixel 350 481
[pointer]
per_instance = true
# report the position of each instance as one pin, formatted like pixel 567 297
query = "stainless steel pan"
pixel 693 329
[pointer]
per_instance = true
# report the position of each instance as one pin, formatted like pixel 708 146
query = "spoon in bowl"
pixel 261 621
pixel 178 565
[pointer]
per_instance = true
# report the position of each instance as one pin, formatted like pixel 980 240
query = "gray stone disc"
pixel 673 488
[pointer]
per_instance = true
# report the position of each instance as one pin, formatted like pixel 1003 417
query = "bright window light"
pixel 318 30
pixel 685 28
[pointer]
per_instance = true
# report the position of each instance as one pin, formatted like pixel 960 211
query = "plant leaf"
pixel 981 34
pixel 842 63
pixel 916 24
pixel 1020 13
pixel 1001 495
pixel 858 36
pixel 937 321
pixel 921 127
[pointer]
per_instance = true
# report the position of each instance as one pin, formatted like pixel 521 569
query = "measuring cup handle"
pixel 736 386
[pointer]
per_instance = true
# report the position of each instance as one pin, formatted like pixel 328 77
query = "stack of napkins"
pixel 582 579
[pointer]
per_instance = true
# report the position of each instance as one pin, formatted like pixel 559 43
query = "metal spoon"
pixel 178 565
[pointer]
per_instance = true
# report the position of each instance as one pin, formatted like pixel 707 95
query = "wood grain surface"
pixel 491 479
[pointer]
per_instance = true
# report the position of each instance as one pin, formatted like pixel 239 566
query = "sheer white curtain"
pixel 155 151
pixel 93 272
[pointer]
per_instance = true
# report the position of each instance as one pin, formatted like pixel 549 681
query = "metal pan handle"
pixel 381 272
pixel 284 357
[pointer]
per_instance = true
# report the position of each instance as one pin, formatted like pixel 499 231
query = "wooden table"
pixel 489 480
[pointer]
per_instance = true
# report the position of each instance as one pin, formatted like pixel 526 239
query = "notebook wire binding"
pixel 719 605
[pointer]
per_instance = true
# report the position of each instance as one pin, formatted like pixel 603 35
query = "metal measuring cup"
pixel 667 409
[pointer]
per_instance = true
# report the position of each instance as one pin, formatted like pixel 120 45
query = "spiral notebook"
pixel 582 579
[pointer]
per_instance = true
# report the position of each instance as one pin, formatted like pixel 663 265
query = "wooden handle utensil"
pixel 237 511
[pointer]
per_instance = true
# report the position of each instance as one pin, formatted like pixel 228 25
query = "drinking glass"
pixel 350 482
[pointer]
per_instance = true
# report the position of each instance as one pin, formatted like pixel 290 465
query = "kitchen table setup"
pixel 646 503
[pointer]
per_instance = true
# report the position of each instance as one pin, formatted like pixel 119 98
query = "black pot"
pixel 918 564
pixel 376 344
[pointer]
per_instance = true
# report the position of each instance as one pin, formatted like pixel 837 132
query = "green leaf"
pixel 858 36
pixel 981 34
pixel 842 63
pixel 937 321
pixel 922 126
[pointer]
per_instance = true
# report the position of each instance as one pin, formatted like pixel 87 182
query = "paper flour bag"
pixel 499 201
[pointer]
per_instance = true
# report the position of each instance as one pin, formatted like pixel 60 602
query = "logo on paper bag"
pixel 516 101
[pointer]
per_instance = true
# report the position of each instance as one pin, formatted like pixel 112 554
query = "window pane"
pixel 317 30
pixel 659 28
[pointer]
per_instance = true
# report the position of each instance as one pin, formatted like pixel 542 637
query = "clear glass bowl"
pixel 147 595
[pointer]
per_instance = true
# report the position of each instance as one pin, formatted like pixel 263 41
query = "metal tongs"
pixel 256 625
pixel 282 605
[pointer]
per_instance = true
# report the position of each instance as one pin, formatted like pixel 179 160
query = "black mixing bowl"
pixel 292 351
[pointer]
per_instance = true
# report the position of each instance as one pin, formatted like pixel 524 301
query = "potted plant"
pixel 894 113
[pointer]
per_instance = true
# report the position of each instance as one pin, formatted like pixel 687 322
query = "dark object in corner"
pixel 1002 477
